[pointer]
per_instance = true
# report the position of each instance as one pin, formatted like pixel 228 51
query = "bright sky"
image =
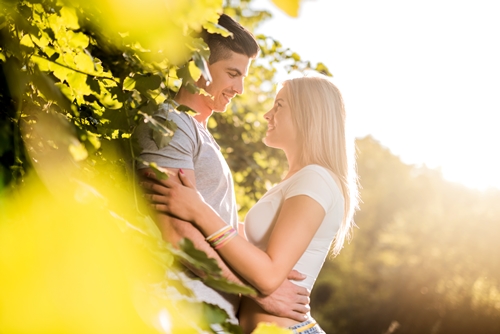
pixel 422 76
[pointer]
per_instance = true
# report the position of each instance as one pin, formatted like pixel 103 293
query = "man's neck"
pixel 194 102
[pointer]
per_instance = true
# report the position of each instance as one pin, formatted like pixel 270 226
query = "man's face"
pixel 227 80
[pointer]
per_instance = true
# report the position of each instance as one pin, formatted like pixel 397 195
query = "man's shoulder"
pixel 168 111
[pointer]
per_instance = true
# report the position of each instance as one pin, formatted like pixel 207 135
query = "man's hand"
pixel 288 301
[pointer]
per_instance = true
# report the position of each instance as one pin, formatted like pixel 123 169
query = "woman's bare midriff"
pixel 251 314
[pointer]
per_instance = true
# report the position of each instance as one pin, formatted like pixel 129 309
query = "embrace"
pixel 291 230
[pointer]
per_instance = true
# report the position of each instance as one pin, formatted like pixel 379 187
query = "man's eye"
pixel 232 75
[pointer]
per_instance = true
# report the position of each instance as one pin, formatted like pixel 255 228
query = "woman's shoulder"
pixel 317 182
pixel 324 173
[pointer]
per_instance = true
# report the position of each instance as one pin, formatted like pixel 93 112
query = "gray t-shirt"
pixel 193 147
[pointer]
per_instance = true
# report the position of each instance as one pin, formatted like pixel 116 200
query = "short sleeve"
pixel 181 150
pixel 316 184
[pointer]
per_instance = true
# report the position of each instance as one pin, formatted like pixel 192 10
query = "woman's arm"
pixel 297 222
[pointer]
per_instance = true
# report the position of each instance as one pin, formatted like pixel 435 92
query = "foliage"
pixel 76 78
pixel 74 83
pixel 422 259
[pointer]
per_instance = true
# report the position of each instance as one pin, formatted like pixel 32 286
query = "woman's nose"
pixel 267 115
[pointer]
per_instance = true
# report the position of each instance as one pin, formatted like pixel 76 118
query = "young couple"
pixel 289 232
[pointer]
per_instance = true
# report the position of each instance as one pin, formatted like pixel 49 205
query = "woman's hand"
pixel 169 196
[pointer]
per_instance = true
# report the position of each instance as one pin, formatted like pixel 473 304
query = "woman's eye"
pixel 231 75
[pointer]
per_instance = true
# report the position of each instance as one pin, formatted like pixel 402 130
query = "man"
pixel 194 150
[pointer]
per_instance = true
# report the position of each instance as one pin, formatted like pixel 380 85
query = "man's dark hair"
pixel 242 41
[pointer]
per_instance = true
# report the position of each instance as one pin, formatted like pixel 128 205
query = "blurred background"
pixel 419 82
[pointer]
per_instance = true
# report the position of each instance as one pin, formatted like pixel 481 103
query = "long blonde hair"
pixel 319 116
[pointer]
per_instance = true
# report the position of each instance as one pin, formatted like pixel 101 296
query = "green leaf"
pixel 110 101
pixel 197 258
pixel 184 74
pixel 129 83
pixel 161 140
pixel 193 89
pixel 78 151
pixel 144 83
pixel 290 7
pixel 201 63
pixel 162 130
pixel 78 40
pixel 60 72
pixel 267 328
pixel 321 68
pixel 50 90
pixel 160 173
pixel 43 64
pixel 214 28
pixel 199 45
pixel 42 42
pixel 184 108
pixel 26 41
pixel 94 140
pixel 194 71
pixel 223 284
pixel 78 82
pixel 84 63
pixel 295 56
pixel 69 18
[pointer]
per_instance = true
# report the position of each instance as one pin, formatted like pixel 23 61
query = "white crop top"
pixel 316 182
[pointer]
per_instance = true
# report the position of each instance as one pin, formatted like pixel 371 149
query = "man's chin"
pixel 221 108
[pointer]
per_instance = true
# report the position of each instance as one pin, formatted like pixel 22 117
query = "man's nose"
pixel 238 86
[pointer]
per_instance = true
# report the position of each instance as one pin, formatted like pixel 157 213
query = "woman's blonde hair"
pixel 319 116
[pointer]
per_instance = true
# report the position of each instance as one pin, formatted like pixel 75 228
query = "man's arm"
pixel 173 230
pixel 288 301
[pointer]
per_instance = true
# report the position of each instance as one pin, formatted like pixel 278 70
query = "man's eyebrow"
pixel 234 69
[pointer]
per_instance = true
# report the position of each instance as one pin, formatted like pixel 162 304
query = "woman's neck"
pixel 295 163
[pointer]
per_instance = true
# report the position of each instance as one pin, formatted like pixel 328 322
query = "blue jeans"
pixel 307 327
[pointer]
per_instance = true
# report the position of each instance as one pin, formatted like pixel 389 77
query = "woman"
pixel 294 224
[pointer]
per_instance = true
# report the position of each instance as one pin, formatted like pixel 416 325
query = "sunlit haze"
pixel 421 77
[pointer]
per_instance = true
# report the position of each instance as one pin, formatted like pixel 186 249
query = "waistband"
pixel 305 327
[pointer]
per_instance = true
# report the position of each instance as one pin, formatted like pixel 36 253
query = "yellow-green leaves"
pixel 160 172
pixel 77 40
pixel 84 63
pixel 69 18
pixel 321 68
pixel 78 151
pixel 213 28
pixel 265 328
pixel 194 71
pixel 129 83
pixel 26 41
pixel 291 7
pixel 162 130
pixel 202 65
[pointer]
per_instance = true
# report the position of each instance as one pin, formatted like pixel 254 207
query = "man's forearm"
pixel 173 230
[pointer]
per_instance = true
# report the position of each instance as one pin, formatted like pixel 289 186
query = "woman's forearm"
pixel 251 263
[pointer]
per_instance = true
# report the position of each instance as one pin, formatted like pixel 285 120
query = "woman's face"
pixel 281 132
